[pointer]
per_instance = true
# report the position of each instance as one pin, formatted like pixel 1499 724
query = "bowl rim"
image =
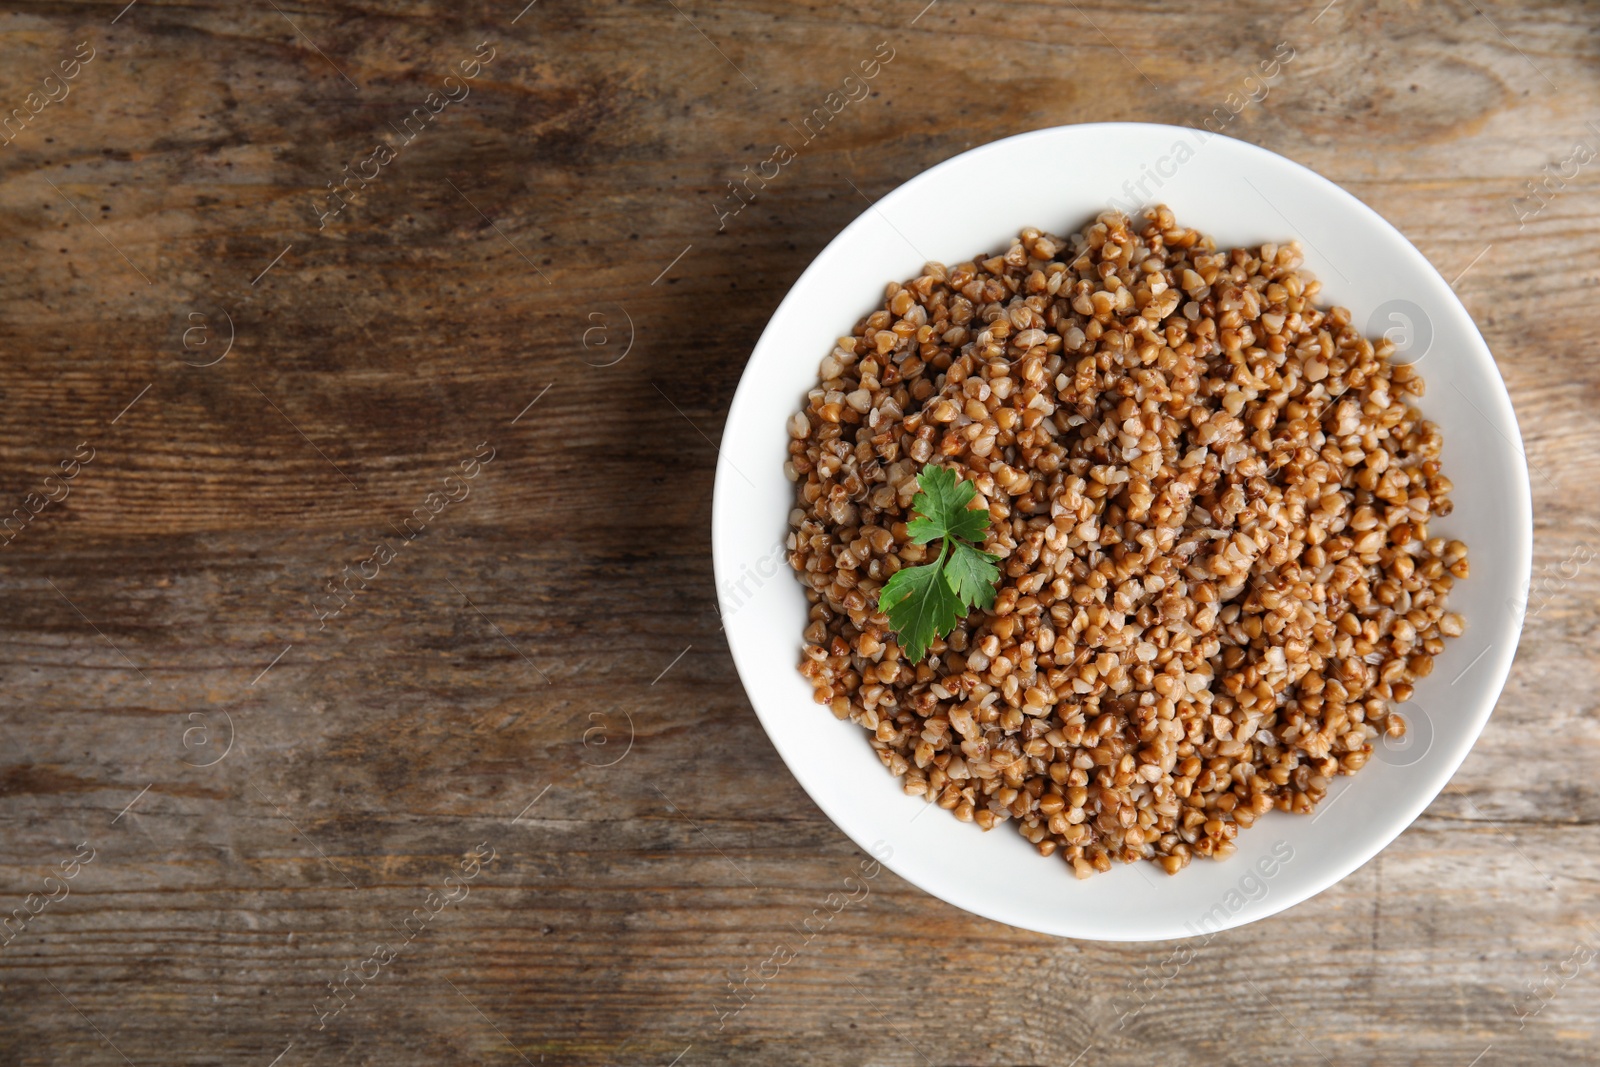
pixel 1519 492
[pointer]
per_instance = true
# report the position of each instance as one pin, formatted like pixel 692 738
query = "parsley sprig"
pixel 926 602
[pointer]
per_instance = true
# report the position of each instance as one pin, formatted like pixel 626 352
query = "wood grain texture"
pixel 461 698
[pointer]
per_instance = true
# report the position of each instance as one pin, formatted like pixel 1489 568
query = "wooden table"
pixel 264 728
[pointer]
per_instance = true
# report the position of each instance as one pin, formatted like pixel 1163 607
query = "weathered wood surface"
pixel 569 594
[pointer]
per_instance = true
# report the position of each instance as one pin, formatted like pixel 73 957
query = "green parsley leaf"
pixel 920 605
pixel 926 602
pixel 940 508
pixel 972 575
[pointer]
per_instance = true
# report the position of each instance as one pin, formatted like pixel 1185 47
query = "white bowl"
pixel 1058 180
